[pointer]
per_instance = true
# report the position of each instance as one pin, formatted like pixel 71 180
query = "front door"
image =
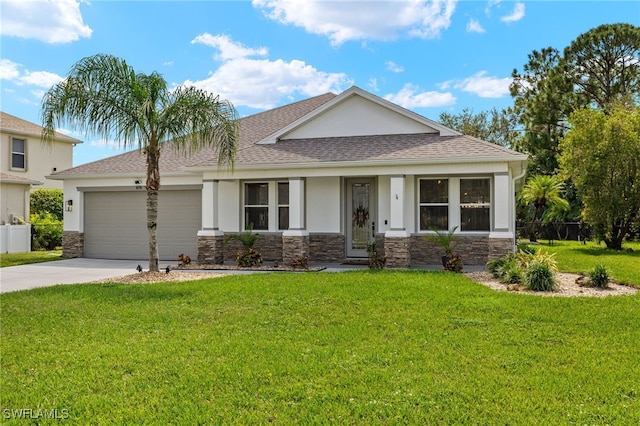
pixel 360 216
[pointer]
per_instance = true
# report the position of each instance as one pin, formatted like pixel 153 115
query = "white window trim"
pixel 420 204
pixel 272 205
pixel 488 204
pixel 24 154
pixel 455 206
pixel 279 205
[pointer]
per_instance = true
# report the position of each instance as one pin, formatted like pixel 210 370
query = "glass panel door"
pixel 360 216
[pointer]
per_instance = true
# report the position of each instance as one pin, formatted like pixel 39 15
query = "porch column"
pixel 210 238
pixel 501 237
pixel 397 242
pixel 295 240
pixel 396 221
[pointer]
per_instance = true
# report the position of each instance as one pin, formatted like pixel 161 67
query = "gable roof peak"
pixel 355 91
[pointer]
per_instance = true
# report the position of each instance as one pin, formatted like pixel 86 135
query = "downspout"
pixel 523 167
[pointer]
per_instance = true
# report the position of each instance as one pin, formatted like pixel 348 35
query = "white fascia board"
pixel 362 168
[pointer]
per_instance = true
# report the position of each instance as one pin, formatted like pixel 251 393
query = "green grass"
pixel 14 259
pixel 319 348
pixel 573 256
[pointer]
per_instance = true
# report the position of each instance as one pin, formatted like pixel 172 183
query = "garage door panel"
pixel 116 224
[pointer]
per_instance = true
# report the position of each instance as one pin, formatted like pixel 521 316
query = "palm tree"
pixel 542 192
pixel 104 96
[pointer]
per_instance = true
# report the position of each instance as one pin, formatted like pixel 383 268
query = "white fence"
pixel 15 238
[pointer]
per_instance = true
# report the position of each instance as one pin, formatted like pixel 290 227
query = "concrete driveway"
pixel 68 271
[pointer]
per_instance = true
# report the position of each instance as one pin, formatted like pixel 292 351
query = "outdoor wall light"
pixel 69 205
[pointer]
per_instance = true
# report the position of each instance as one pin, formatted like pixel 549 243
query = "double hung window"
pixel 18 154
pixel 434 204
pixel 264 203
pixel 475 204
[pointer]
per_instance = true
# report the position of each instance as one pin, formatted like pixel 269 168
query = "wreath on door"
pixel 360 216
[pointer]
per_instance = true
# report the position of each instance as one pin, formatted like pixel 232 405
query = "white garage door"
pixel 115 224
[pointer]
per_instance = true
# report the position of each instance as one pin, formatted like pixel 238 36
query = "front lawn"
pixel 13 259
pixel 357 347
pixel 574 256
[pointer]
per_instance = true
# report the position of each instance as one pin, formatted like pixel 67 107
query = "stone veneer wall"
pixel 398 252
pixel 269 245
pixel 294 247
pixel 326 248
pixel 474 250
pixel 499 247
pixel 210 249
pixel 72 244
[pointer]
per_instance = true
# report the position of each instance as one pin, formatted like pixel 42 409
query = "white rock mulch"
pixel 566 287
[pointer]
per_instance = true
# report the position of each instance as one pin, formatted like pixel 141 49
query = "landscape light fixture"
pixel 69 205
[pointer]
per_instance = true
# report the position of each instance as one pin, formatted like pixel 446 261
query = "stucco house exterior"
pixel 24 164
pixel 323 177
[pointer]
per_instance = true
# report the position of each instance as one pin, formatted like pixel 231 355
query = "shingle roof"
pixel 254 128
pixel 12 123
pixel 18 180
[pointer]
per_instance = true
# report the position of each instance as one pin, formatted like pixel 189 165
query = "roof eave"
pixel 364 163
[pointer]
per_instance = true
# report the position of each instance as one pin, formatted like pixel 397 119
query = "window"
pixel 434 204
pixel 18 154
pixel 283 205
pixel 266 206
pixel 475 203
pixel 256 206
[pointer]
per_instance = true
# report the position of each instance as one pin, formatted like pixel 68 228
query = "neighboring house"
pixel 25 162
pixel 24 155
pixel 323 178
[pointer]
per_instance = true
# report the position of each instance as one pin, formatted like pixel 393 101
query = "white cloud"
pixel 484 86
pixel 9 70
pixel 39 78
pixel 410 97
pixel 228 48
pixel 516 15
pixel 51 21
pixel 343 21
pixel 473 26
pixel 393 67
pixel 373 84
pixel 262 83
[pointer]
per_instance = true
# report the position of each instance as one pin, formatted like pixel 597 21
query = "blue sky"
pixel 427 56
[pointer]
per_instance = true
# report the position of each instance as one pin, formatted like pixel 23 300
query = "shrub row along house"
pixel 321 178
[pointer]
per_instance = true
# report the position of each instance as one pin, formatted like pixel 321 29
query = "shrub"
pixel 249 258
pixel 527 258
pixel 598 276
pixel 376 261
pixel 512 274
pixel 47 201
pixel 539 276
pixel 47 231
pixel 300 262
pixel 454 263
pixel 495 265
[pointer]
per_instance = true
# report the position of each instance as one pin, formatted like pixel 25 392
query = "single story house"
pixel 323 178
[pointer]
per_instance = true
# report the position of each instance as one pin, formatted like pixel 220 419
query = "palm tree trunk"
pixel 153 185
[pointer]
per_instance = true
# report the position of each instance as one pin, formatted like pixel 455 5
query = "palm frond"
pixel 195 119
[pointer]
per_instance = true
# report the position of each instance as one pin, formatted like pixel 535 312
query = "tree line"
pixel 577 114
